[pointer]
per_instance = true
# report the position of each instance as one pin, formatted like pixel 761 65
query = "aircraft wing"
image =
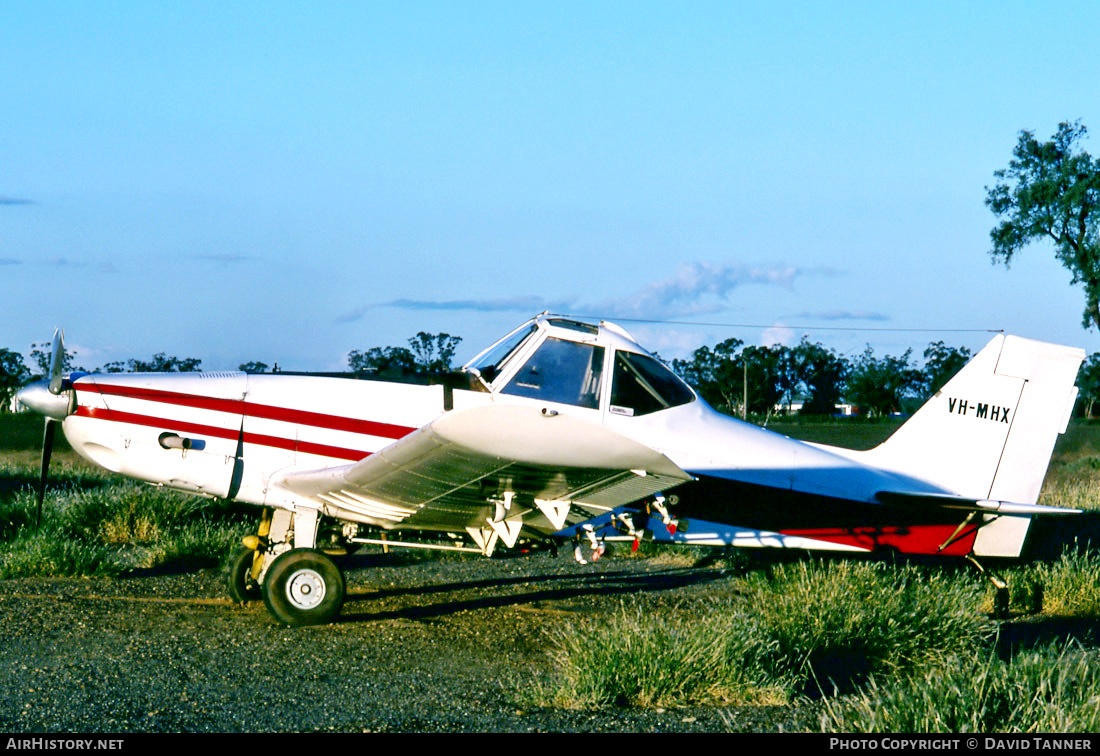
pixel 503 467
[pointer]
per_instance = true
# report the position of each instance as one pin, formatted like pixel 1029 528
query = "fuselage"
pixel 236 436
pixel 227 434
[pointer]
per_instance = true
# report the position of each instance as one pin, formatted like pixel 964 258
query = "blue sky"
pixel 286 182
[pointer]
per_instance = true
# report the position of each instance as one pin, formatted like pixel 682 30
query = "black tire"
pixel 303 587
pixel 242 588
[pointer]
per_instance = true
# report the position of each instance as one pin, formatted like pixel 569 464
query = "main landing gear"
pixel 303 587
pixel 299 584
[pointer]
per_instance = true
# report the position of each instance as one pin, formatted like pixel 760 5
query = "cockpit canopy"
pixel 570 362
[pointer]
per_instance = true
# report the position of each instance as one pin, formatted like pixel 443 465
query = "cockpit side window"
pixel 561 371
pixel 641 385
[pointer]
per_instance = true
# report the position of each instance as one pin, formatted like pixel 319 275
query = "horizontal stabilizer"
pixel 948 501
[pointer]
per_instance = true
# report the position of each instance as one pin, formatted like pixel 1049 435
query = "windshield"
pixel 561 371
pixel 489 363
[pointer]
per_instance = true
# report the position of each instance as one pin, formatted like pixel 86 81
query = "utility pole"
pixel 745 375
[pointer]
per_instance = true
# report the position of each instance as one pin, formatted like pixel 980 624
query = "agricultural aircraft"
pixel 563 429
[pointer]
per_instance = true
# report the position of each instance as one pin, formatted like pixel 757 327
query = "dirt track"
pixel 423 646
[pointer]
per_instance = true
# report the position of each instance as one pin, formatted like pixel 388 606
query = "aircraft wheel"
pixel 303 587
pixel 242 588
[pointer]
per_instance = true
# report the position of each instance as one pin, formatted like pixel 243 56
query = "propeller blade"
pixel 47 452
pixel 57 360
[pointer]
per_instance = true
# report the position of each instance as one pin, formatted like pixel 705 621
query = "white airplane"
pixel 563 429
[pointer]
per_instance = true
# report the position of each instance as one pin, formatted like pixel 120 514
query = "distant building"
pixel 843 407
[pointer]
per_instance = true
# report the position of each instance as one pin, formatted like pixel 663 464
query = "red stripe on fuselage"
pixel 250 409
pixel 908 539
pixel 182 426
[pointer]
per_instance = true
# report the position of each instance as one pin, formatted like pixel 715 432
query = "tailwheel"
pixel 1000 593
pixel 243 569
pixel 303 587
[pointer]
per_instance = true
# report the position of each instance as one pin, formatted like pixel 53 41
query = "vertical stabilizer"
pixel 989 433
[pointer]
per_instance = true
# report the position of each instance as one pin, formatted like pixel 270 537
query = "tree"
pixel 1088 382
pixel 160 363
pixel 822 373
pixel 878 386
pixel 764 365
pixel 387 362
pixel 722 374
pixel 788 375
pixel 941 362
pixel 252 366
pixel 1051 190
pixel 434 351
pixel 715 373
pixel 13 374
pixel 41 354
pixel 428 354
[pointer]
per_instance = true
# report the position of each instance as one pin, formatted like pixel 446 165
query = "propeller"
pixel 57 361
pixel 47 452
pixel 50 398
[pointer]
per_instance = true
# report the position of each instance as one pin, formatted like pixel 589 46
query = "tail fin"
pixel 989 433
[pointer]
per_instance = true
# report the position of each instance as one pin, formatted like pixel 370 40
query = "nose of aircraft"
pixel 37 397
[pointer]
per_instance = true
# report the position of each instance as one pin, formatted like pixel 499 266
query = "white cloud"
pixel 844 315
pixel 778 334
pixel 696 288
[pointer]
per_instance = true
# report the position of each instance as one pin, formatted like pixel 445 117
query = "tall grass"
pixel 1070 585
pixel 1055 689
pixel 97 524
pixel 1073 478
pixel 1072 493
pixel 835 624
pixel 639 658
pixel 806 628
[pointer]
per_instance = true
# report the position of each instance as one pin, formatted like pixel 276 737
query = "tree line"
pixel 741 379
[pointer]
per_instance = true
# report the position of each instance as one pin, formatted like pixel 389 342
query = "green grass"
pixel 837 623
pixel 638 658
pixel 113 529
pixel 804 629
pixel 97 523
pixel 1070 586
pixel 1073 478
pixel 848 433
pixel 1053 689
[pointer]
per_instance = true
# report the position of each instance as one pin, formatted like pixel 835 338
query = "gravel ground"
pixel 422 646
